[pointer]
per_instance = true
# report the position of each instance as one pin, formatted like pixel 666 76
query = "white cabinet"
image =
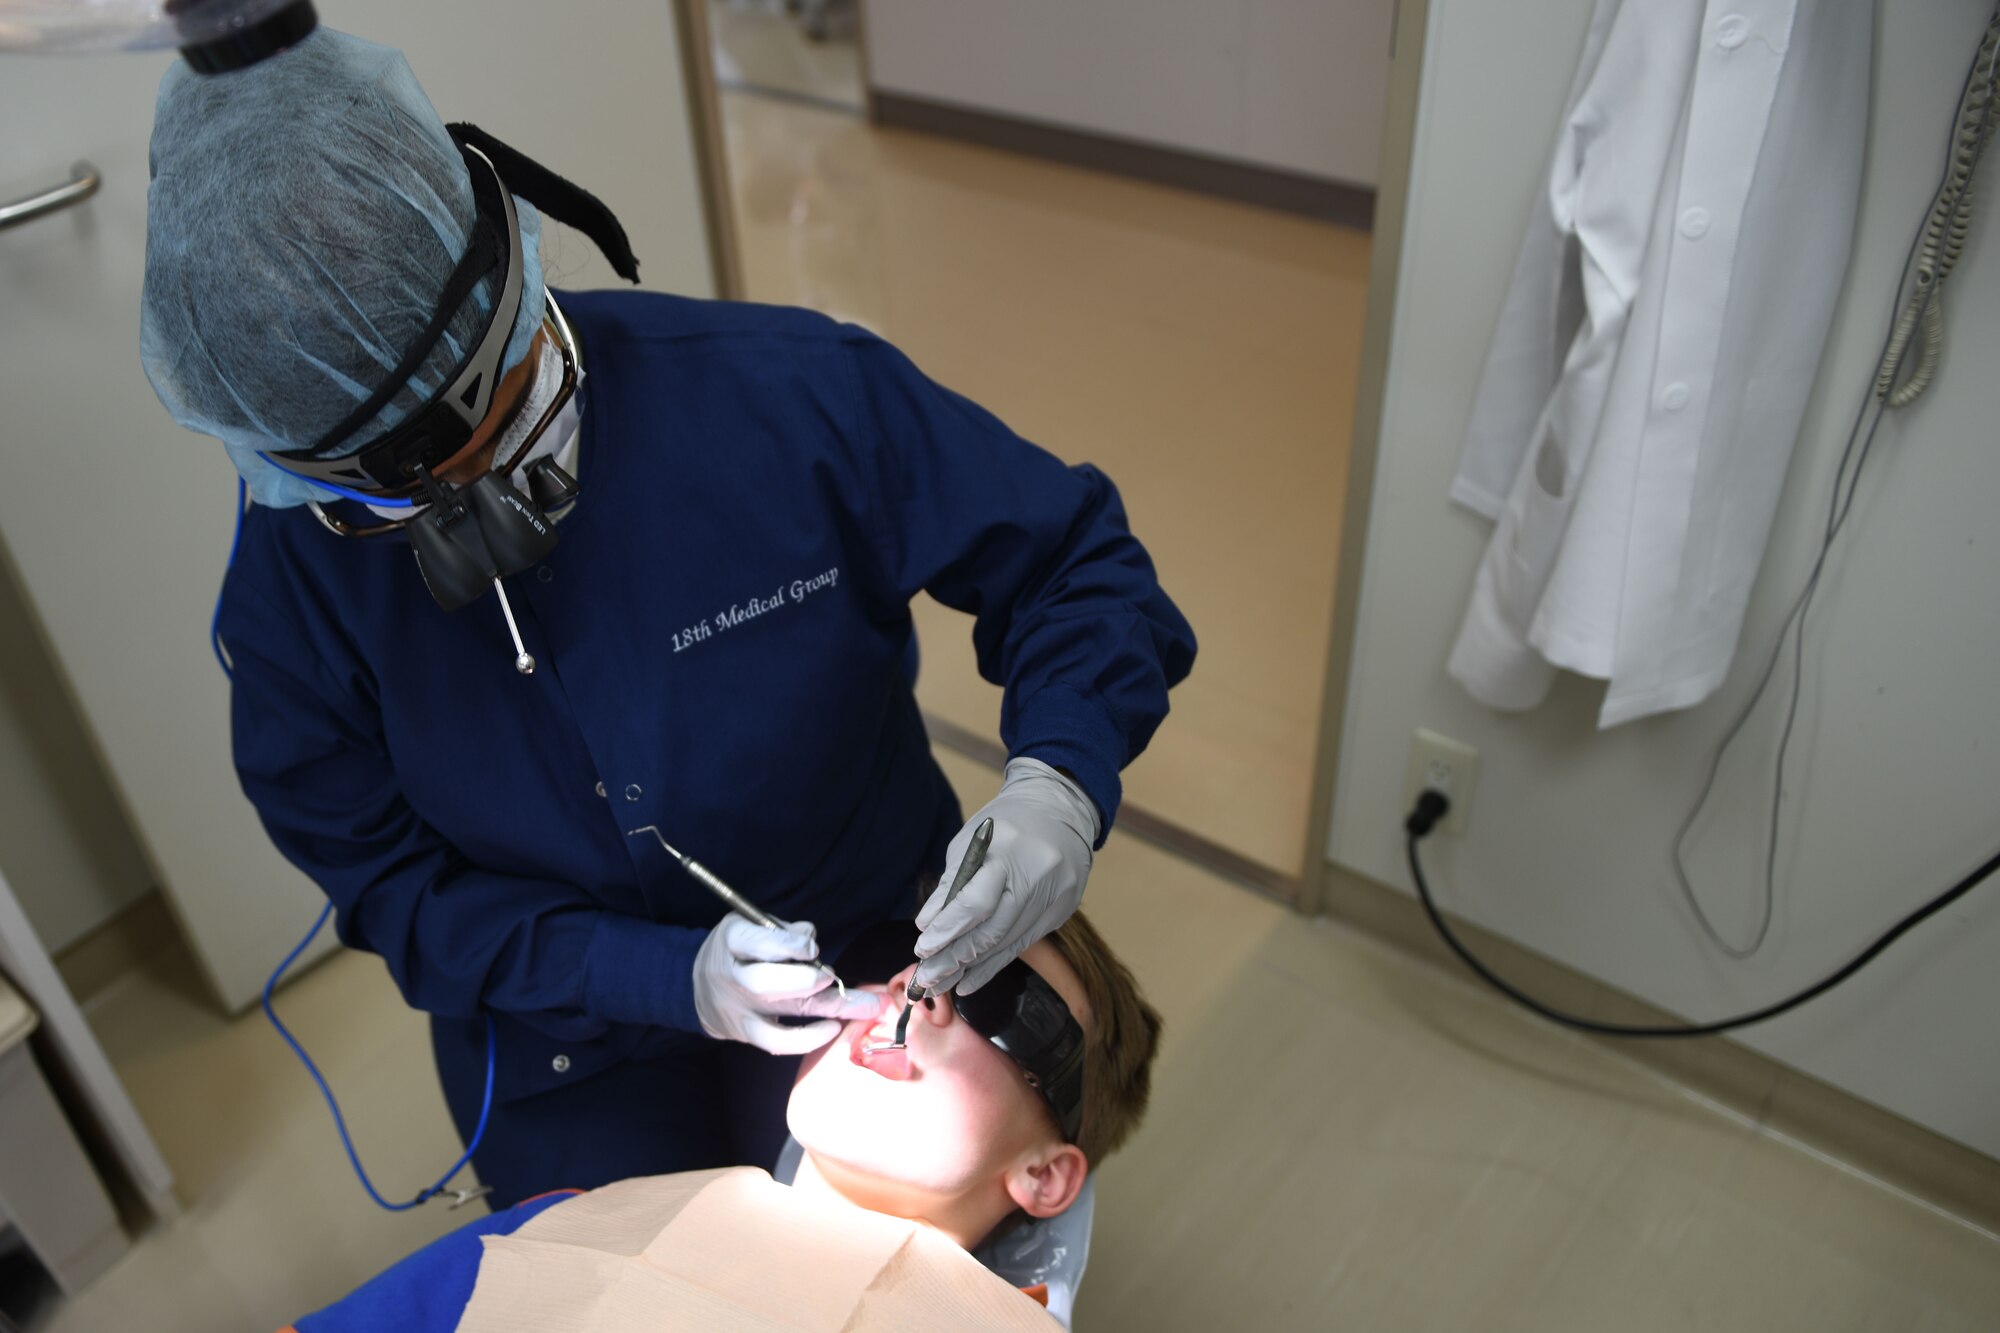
pixel 1296 85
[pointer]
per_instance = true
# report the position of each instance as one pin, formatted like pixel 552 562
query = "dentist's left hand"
pixel 1031 881
pixel 749 978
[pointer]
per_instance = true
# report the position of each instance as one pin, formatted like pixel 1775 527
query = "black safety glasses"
pixel 1020 1012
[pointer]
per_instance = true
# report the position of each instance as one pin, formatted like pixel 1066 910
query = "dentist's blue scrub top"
pixel 719 636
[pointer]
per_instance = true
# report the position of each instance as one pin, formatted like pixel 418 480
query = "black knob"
pixel 452 555
pixel 550 485
pixel 212 49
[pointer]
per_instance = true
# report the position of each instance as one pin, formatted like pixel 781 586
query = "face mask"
pixel 559 440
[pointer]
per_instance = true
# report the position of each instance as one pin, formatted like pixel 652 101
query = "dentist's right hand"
pixel 749 978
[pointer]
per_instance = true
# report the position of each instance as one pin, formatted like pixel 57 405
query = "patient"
pixel 954 1132
pixel 1001 1104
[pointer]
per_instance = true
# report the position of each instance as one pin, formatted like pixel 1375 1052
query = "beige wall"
pixel 1293 84
pixel 1891 791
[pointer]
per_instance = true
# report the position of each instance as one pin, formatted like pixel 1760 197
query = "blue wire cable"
pixel 215 617
pixel 340 1121
pixel 379 501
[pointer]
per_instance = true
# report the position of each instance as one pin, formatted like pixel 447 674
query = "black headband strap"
pixel 480 254
pixel 519 174
pixel 561 199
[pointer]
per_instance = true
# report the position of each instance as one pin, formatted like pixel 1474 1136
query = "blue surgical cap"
pixel 303 218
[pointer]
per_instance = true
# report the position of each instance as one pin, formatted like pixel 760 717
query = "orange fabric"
pixel 545 1194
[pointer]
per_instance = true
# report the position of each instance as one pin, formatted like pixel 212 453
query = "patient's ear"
pixel 1046 1184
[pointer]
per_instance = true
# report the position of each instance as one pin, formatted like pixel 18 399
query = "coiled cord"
pixel 1932 252
pixel 1945 231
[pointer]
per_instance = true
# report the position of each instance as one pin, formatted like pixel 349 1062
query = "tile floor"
pixel 1341 1137
pixel 1203 353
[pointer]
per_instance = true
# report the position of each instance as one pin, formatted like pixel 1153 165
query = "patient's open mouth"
pixel 874 1048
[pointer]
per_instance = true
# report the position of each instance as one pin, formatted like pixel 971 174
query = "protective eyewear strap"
pixel 555 196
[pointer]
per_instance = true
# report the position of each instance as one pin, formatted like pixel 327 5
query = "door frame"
pixel 704 103
pixel 1408 33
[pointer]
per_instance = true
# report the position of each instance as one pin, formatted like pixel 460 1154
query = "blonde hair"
pixel 1120 1040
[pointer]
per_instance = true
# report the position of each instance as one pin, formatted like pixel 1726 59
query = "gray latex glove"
pixel 748 977
pixel 1032 880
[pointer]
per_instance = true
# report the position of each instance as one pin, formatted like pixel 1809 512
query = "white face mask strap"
pixel 548 377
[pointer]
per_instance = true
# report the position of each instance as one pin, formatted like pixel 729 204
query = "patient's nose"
pixel 939 1012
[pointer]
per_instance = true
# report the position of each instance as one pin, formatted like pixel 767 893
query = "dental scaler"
pixel 735 901
pixel 968 866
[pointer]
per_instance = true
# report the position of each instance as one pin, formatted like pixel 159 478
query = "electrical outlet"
pixel 1448 765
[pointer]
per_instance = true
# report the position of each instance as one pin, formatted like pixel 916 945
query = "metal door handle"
pixel 82 184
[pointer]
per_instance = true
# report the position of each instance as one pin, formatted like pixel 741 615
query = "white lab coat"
pixel 1658 344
